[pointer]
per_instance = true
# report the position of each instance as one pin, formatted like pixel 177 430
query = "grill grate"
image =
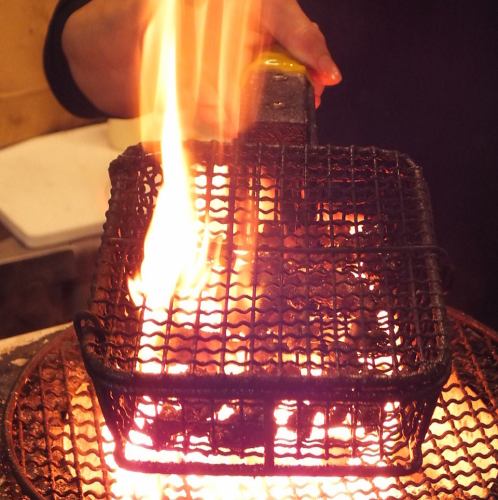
pixel 317 344
pixel 60 447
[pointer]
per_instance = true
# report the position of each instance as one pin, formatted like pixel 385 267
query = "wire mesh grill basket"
pixel 317 343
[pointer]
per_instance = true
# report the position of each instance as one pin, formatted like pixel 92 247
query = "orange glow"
pixel 172 254
pixel 194 59
pixel 182 252
pixel 216 41
pixel 472 422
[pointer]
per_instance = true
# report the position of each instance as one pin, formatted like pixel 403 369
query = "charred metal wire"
pixel 323 303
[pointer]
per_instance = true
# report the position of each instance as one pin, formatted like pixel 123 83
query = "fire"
pixel 171 252
pixel 472 424
pixel 215 39
pixel 182 247
pixel 181 258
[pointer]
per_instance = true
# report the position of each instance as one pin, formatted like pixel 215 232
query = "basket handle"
pixel 282 88
pixel 86 323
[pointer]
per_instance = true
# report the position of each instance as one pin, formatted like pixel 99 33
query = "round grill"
pixel 60 447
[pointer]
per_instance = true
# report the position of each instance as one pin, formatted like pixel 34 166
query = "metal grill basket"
pixel 317 344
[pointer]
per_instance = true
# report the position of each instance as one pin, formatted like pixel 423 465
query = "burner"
pixel 60 447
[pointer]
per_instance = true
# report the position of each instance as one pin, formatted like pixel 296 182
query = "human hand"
pixel 234 32
pixel 286 22
pixel 103 45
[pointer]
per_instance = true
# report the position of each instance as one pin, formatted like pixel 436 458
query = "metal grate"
pixel 60 447
pixel 321 310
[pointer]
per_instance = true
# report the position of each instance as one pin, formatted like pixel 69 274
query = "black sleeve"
pixel 56 66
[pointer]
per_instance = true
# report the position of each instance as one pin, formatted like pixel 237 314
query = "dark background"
pixel 422 77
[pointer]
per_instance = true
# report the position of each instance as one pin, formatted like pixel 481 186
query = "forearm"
pixel 94 64
pixel 101 42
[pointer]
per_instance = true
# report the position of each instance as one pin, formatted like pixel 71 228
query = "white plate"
pixel 55 188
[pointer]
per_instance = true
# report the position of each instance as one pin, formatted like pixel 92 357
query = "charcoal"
pixel 242 431
pixel 337 414
pixel 368 416
pixel 301 421
pixel 165 427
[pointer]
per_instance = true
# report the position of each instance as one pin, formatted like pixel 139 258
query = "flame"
pixel 217 41
pixel 177 261
pixel 472 424
pixel 171 243
pixel 171 249
pixel 194 59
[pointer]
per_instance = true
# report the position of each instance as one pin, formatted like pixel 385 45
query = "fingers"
pixel 289 25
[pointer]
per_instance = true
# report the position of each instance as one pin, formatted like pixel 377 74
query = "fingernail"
pixel 328 69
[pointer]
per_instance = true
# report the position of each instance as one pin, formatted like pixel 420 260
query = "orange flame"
pixel 194 56
pixel 216 40
pixel 171 243
pixel 175 262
